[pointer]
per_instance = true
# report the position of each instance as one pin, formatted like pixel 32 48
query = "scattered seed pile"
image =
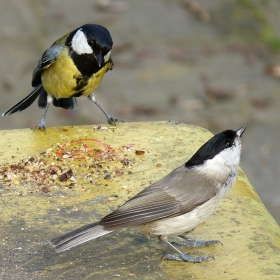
pixel 79 162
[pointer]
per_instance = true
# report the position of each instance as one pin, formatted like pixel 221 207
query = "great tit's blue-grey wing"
pixel 173 195
pixel 48 58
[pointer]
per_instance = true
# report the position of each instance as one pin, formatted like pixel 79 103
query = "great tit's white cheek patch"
pixel 107 56
pixel 80 44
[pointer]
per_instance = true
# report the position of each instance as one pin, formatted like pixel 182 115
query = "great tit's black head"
pixel 91 39
pixel 227 144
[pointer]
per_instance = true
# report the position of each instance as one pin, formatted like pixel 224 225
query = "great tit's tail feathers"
pixel 66 103
pixel 26 102
pixel 78 236
pixel 42 101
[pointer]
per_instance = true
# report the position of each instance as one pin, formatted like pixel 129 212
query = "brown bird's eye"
pixel 228 145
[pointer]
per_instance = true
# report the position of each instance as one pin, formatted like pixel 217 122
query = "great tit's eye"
pixel 92 43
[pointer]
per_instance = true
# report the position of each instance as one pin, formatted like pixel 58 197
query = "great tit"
pixel 73 66
pixel 177 203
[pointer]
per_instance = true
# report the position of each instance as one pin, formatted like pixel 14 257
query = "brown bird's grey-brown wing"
pixel 177 193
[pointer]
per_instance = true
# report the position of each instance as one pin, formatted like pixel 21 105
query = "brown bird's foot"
pixel 187 258
pixel 192 243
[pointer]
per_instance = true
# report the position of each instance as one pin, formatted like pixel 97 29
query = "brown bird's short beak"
pixel 240 131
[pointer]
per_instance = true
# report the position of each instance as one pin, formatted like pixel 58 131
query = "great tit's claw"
pixel 112 120
pixel 41 125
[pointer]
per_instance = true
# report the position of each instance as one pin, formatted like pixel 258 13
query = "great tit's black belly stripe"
pixel 86 64
pixel 81 82
pixel 79 93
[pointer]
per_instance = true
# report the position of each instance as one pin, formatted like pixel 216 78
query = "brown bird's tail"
pixel 78 236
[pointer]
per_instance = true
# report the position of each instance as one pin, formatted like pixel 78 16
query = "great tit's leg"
pixel 110 119
pixel 185 257
pixel 192 243
pixel 42 123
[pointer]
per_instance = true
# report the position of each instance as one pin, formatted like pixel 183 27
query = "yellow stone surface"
pixel 56 181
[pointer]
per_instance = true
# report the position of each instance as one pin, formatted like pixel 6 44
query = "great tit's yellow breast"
pixel 60 78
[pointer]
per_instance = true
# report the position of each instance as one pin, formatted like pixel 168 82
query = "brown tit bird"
pixel 73 66
pixel 177 203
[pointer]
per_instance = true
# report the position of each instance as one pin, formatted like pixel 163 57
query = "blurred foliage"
pixel 251 14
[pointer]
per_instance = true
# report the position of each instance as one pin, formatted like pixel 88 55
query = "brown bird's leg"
pixel 182 256
pixel 192 243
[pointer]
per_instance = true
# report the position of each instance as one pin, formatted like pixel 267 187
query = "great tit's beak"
pixel 99 58
pixel 240 131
